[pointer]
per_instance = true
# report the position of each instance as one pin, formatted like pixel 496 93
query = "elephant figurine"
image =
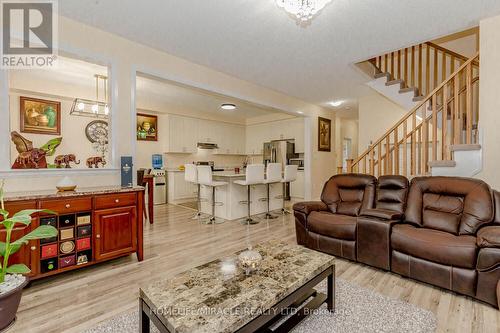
pixel 66 160
pixel 30 157
pixel 94 161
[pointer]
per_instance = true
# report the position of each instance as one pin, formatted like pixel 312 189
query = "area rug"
pixel 357 310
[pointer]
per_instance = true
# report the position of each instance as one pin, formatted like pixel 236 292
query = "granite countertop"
pixel 228 174
pixel 82 191
pixel 219 297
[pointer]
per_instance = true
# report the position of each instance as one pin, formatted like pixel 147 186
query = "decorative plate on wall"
pixel 97 129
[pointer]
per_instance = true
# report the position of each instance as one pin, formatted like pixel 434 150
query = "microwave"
pixel 297 161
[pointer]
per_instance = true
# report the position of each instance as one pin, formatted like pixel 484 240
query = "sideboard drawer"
pixel 63 206
pixel 115 200
pixel 16 206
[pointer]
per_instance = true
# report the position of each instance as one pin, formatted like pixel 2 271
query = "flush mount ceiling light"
pixel 302 10
pixel 228 106
pixel 336 103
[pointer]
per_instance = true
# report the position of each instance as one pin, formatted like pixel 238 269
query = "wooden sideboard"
pixel 94 225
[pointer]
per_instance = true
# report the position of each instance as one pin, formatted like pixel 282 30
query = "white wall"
pixel 489 100
pixel 125 58
pixel 376 115
pixel 465 43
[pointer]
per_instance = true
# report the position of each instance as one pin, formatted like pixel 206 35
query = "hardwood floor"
pixel 79 300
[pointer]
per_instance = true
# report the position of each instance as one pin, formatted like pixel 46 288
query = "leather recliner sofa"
pixel 440 230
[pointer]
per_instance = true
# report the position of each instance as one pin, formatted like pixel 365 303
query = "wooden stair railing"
pixel 447 116
pixel 422 67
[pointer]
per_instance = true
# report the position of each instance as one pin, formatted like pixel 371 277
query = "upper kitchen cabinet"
pixel 186 132
pixel 233 140
pixel 278 130
pixel 181 134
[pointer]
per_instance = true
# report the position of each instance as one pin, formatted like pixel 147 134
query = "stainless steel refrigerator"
pixel 280 151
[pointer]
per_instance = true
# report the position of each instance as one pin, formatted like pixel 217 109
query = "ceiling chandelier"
pixel 93 108
pixel 302 10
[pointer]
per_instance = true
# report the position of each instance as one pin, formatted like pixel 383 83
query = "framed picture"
pixel 147 127
pixel 324 134
pixel 40 116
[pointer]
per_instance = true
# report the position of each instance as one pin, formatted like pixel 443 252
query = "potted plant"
pixel 12 280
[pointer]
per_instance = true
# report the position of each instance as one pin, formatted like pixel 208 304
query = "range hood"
pixel 206 145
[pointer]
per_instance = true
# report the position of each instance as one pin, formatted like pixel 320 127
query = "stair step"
pixel 465 147
pixel 382 74
pixel 393 82
pixel 418 98
pixel 406 90
pixel 450 164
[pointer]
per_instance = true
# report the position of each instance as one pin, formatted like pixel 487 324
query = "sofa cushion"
pixel 349 194
pixel 332 225
pixel 392 192
pixel 434 245
pixel 451 204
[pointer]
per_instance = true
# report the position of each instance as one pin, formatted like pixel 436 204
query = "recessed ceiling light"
pixel 228 106
pixel 336 103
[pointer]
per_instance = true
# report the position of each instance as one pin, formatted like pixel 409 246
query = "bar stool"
pixel 289 176
pixel 191 176
pixel 273 176
pixel 205 179
pixel 254 175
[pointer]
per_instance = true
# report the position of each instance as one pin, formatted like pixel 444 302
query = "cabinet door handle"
pixel 33 248
pixel 97 236
pixel 117 200
pixel 68 206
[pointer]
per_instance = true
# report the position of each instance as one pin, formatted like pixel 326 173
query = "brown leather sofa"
pixel 440 230
pixel 329 225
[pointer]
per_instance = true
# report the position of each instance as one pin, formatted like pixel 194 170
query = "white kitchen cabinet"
pixel 256 135
pixel 181 138
pixel 297 188
pixel 178 189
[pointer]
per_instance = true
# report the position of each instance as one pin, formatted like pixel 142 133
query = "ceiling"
pixel 164 96
pixel 258 42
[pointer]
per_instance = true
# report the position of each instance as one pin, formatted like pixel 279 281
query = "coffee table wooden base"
pixel 266 321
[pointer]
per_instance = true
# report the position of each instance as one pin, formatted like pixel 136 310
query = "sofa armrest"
pixel 489 237
pixel 310 206
pixel 385 214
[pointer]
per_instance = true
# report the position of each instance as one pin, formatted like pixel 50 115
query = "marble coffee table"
pixel 219 297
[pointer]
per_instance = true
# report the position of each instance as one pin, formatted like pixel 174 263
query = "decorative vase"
pixel 66 184
pixel 51 115
pixel 9 303
pixel 249 260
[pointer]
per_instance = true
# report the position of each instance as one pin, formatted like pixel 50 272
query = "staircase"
pixel 406 76
pixel 439 135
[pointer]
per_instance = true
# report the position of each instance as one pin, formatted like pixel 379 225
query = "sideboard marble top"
pixel 79 192
pixel 219 297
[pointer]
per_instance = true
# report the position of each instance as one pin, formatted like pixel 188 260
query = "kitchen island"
pixel 232 195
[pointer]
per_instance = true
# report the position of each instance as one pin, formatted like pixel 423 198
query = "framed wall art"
pixel 40 116
pixel 324 134
pixel 147 127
